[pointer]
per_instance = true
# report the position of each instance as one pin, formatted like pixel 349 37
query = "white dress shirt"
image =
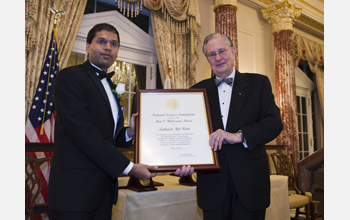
pixel 225 92
pixel 114 106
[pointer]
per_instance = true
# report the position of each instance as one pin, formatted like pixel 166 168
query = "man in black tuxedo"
pixel 89 125
pixel 245 118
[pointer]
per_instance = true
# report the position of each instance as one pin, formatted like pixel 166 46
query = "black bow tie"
pixel 103 74
pixel 218 81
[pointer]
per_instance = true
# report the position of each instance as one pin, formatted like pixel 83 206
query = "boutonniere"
pixel 119 90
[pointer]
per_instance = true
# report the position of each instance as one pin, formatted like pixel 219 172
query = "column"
pixel 226 22
pixel 281 17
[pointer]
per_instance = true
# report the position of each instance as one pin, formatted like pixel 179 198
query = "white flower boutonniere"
pixel 119 90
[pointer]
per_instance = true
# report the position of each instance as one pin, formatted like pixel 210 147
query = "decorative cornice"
pixel 281 16
pixel 311 6
pixel 267 2
pixel 218 3
pixel 311 23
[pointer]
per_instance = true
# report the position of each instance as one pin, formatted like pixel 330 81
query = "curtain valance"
pixel 305 49
pixel 181 15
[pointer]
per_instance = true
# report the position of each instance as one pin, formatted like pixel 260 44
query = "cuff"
pixel 127 138
pixel 128 168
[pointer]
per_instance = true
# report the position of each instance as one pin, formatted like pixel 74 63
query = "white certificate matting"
pixel 174 129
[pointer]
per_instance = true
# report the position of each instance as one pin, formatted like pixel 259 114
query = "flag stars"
pixel 42 107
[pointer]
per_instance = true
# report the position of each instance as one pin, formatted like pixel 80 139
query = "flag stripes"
pixel 41 118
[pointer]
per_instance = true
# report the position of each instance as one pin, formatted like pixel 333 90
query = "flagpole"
pixel 57 13
pixel 48 77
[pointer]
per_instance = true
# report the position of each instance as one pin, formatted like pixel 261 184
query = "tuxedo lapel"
pixel 97 81
pixel 92 74
pixel 239 94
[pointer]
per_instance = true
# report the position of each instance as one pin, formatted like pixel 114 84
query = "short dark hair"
pixel 100 27
pixel 215 35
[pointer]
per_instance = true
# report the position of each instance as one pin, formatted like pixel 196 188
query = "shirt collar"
pixel 231 75
pixel 96 68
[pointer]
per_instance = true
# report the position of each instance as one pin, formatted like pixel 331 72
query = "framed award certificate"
pixel 173 129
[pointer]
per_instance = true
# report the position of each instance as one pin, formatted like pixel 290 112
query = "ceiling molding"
pixel 312 13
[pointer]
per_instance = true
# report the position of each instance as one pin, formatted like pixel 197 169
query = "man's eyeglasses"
pixel 221 52
pixel 104 41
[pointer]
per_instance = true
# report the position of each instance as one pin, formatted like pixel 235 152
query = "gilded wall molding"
pixel 281 16
pixel 267 2
pixel 311 6
pixel 301 2
pixel 311 16
pixel 309 22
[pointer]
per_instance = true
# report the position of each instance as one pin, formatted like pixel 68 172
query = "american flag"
pixel 41 119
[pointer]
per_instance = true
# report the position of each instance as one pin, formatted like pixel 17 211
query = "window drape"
pixel 176 30
pixel 39 23
pixel 305 49
pixel 313 52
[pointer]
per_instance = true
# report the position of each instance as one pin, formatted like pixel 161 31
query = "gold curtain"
pixel 176 30
pixel 39 24
pixel 306 49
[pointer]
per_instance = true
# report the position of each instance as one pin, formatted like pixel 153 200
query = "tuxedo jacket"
pixel 252 110
pixel 85 162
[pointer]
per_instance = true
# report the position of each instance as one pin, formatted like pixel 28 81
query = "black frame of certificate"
pixel 138 139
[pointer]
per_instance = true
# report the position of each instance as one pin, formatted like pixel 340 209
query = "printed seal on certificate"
pixel 172 104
